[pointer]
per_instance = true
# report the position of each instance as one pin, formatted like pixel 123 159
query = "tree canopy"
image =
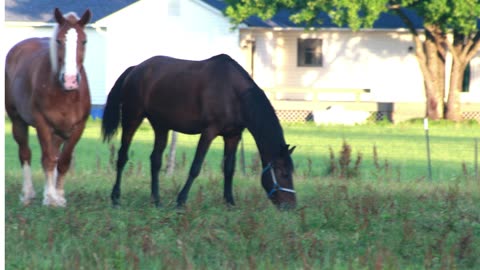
pixel 460 15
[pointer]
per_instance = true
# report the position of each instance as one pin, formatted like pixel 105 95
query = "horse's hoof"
pixel 230 206
pixel 27 198
pixel 53 200
pixel 116 205
pixel 61 202
pixel 181 207
pixel 25 202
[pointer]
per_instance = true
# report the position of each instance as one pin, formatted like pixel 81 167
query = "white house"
pixel 126 32
pixel 371 69
pixel 302 71
pixel 186 29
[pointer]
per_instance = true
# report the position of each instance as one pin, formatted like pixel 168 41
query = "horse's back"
pixel 219 74
pixel 22 62
pixel 187 95
pixel 24 51
pixel 24 56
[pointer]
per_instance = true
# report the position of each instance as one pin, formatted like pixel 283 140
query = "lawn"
pixel 389 215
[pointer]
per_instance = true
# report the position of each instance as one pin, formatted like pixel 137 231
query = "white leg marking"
pixel 50 196
pixel 60 191
pixel 28 192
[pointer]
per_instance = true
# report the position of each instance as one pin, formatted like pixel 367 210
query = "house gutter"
pixel 40 24
pixel 330 29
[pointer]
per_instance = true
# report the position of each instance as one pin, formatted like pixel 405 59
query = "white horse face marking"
pixel 69 76
pixel 67 48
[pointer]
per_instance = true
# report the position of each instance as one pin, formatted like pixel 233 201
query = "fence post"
pixel 171 155
pixel 476 160
pixel 242 157
pixel 427 137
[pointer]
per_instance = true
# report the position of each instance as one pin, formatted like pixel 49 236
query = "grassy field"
pixel 389 216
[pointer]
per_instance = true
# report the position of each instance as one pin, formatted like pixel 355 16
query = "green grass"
pixel 388 218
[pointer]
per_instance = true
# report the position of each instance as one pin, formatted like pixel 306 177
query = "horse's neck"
pixel 263 124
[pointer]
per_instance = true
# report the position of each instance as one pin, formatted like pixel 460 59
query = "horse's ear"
pixel 85 18
pixel 290 151
pixel 287 151
pixel 59 16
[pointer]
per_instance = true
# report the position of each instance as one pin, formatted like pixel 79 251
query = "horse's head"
pixel 277 179
pixel 67 48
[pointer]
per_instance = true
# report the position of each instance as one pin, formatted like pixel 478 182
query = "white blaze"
pixel 71 52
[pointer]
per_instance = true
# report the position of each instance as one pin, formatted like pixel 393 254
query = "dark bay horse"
pixel 213 97
pixel 46 87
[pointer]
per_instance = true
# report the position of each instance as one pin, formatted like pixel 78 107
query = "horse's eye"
pixel 84 42
pixel 59 42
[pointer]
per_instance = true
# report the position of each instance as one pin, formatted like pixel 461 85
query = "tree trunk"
pixel 463 49
pixel 453 111
pixel 431 61
pixel 433 87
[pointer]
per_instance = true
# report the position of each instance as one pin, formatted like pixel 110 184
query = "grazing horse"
pixel 213 97
pixel 46 87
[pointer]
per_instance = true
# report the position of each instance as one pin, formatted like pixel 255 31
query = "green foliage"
pixel 460 15
pixel 355 14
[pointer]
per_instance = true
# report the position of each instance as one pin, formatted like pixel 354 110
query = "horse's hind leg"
pixel 128 130
pixel 231 144
pixel 202 148
pixel 156 162
pixel 20 134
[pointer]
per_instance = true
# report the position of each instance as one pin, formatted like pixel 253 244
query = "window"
pixel 309 53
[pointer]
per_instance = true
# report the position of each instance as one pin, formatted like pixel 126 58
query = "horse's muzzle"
pixel 70 82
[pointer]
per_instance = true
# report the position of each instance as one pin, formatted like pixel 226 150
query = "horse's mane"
pixel 72 18
pixel 262 121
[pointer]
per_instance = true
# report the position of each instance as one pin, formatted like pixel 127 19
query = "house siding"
pixel 376 60
pixel 192 30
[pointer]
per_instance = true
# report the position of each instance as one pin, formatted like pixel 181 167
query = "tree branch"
pixel 451 48
pixel 438 38
pixel 474 48
pixel 406 20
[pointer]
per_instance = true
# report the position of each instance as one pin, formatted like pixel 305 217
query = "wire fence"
pixel 402 155
pixel 397 152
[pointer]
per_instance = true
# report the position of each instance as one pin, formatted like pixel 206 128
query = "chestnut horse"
pixel 213 97
pixel 46 87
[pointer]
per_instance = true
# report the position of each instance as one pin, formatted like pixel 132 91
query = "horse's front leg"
pixel 57 142
pixel 64 161
pixel 49 162
pixel 20 134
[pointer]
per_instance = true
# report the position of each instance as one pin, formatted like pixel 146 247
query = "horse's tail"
pixel 111 112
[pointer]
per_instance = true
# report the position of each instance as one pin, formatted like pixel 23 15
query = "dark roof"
pixel 42 11
pixel 282 19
